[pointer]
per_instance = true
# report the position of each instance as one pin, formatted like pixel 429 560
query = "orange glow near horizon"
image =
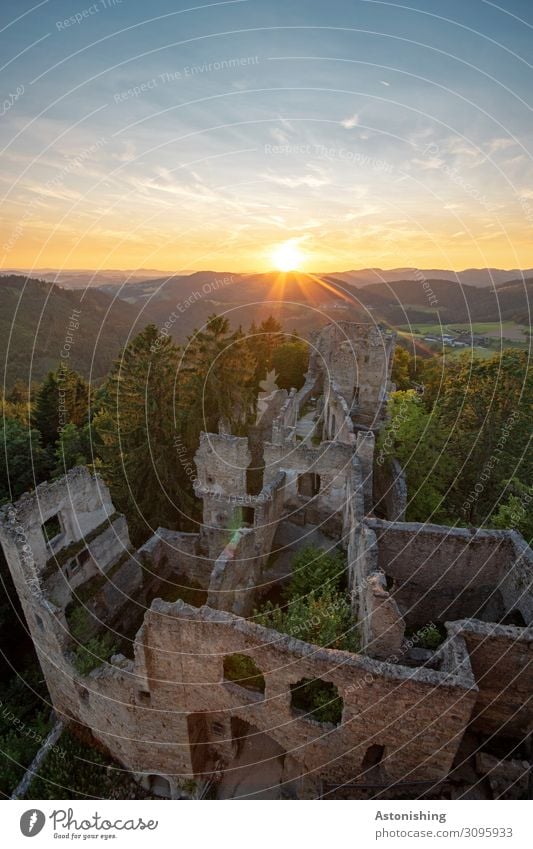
pixel 63 247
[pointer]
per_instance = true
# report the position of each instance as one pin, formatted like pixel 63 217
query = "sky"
pixel 186 136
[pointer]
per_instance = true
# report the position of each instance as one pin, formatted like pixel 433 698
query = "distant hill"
pixel 134 278
pixel 81 278
pixel 34 326
pixel 36 313
pixel 309 301
pixel 480 277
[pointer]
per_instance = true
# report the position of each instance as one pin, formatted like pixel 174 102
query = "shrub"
pixel 318 608
pixel 316 570
pixel 431 636
pixel 97 650
pixel 72 770
pixel 80 623
pixel 325 620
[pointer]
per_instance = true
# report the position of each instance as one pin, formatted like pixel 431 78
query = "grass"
pixel 74 770
pixel 496 330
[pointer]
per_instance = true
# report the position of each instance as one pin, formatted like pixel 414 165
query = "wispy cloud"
pixel 308 180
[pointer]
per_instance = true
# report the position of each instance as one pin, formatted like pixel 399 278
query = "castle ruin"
pixel 181 607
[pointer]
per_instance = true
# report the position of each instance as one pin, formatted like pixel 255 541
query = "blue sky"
pixel 176 135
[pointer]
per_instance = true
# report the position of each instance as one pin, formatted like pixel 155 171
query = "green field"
pixel 508 330
pixel 507 334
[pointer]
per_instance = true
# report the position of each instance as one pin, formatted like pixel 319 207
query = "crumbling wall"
pixel 380 624
pixel 337 421
pixel 235 583
pixel 358 357
pixel 443 573
pixel 331 462
pixel 502 662
pixel 221 463
pixel 235 575
pixel 284 424
pixel 418 721
pixel 175 555
pixel 516 585
pixel 81 502
pixel 390 490
pixel 365 443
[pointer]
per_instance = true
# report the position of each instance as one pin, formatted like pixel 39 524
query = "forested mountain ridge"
pixel 42 324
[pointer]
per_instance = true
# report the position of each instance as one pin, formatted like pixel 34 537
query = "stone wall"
pixel 176 555
pixel 358 357
pixel 445 573
pixel 237 574
pixel 331 462
pixel 337 421
pixel 502 662
pixel 390 490
pixel 417 715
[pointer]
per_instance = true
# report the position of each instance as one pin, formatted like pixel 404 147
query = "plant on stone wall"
pixel 316 570
pixel 324 620
pixel 318 607
pixel 95 652
pixel 80 622
pixel 431 636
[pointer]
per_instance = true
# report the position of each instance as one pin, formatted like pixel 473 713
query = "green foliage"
pixel 324 619
pixel 95 652
pixel 72 448
pixel 73 770
pixel 319 699
pixel 290 362
pixel 242 669
pixel 516 511
pixel 262 342
pixel 318 608
pixel 217 379
pixel 24 724
pixel 464 439
pixel 63 398
pixel 417 439
pixel 315 570
pixel 23 461
pixel 400 369
pixel 135 431
pixel 431 636
pixel 81 624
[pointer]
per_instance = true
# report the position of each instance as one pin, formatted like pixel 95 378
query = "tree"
pixel 216 376
pixel 290 361
pixel 485 405
pixel 516 511
pixel 63 398
pixel 400 369
pixel 72 448
pixel 23 461
pixel 137 434
pixel 263 342
pixel 467 436
pixel 417 439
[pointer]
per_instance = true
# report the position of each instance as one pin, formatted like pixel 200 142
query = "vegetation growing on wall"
pixel 317 607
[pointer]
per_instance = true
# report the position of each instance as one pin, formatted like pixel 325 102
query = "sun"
pixel 287 257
